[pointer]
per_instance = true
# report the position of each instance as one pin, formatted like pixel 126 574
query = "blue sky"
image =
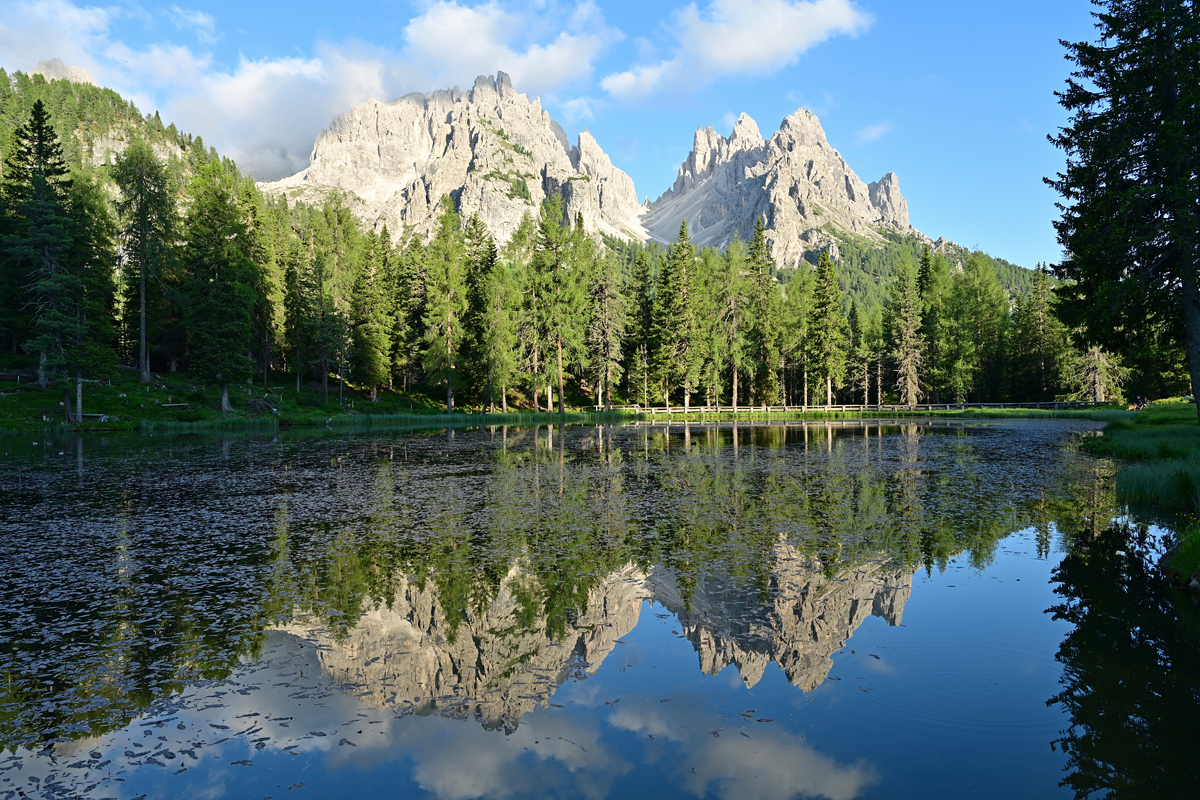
pixel 956 98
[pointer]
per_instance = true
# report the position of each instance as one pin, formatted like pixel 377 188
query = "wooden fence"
pixel 1060 405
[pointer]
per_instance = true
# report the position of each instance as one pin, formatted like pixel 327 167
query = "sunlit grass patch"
pixel 1172 484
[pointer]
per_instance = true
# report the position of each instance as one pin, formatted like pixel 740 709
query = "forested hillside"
pixel 167 259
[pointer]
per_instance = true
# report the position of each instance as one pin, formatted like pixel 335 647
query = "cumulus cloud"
pixel 266 113
pixel 731 37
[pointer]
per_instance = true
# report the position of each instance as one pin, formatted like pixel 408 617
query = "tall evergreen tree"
pixel 797 327
pixel 734 313
pixel 1130 188
pixel 1038 342
pixel 148 229
pixel 904 323
pixel 765 334
pixel 561 256
pixel 372 323
pixel 935 290
pixel 221 277
pixel 607 328
pixel 678 354
pixel 828 348
pixel 639 344
pixel 39 240
pixel 446 301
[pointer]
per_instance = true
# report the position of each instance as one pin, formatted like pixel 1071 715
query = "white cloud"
pixel 203 24
pixel 732 37
pixel 872 133
pixel 266 113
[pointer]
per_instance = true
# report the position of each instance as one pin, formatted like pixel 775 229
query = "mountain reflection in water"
pixel 222 593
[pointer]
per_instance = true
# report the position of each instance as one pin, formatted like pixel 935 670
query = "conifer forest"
pixel 167 259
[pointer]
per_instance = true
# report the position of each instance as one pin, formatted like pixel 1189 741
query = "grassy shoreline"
pixel 169 405
pixel 1160 451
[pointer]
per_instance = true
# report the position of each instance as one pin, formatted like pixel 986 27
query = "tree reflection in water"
pixel 137 569
pixel 1130 668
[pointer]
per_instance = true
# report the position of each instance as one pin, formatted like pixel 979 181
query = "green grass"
pixel 1161 450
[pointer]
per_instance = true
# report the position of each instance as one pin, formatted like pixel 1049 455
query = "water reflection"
pixel 487 575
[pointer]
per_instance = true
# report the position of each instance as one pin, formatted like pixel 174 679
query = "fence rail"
pixel 823 409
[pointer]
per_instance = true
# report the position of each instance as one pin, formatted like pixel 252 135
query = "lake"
pixel 839 610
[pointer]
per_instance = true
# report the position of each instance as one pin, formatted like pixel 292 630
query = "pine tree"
pixel 561 258
pixel 1038 342
pixel 797 327
pixel 221 277
pixel 39 241
pixel 371 322
pixel 446 301
pixel 765 334
pixel 935 290
pixel 607 328
pixel 93 259
pixel 678 352
pixel 639 344
pixel 148 231
pixel 1129 216
pixel 734 314
pixel 904 323
pixel 828 340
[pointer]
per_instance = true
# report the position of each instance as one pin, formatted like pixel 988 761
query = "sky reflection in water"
pixel 601 612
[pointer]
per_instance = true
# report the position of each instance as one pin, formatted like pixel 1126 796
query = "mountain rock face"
pixel 492 664
pixel 810 617
pixel 495 152
pixel 802 188
pixel 495 668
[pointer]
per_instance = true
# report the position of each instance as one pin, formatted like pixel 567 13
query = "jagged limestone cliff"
pixel 497 667
pixel 492 149
pixel 796 181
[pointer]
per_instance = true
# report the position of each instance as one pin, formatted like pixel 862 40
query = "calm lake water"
pixel 844 610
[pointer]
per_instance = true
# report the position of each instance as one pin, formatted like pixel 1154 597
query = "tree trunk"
pixel 561 408
pixel 78 396
pixel 67 406
pixel 806 386
pixel 1191 325
pixel 504 400
pixel 828 390
pixel 735 388
pixel 374 394
pixel 143 356
pixel 225 406
pixel 608 387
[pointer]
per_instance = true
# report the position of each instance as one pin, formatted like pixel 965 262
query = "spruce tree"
pixel 797 327
pixel 935 326
pixel 221 278
pixel 734 315
pixel 1129 212
pixel 370 320
pixel 678 353
pixel 765 334
pixel 561 260
pixel 93 260
pixel 828 339
pixel 39 239
pixel 148 228
pixel 607 329
pixel 446 301
pixel 904 323
pixel 639 344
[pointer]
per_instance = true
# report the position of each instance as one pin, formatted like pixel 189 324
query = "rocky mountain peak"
pixel 497 153
pixel 795 181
